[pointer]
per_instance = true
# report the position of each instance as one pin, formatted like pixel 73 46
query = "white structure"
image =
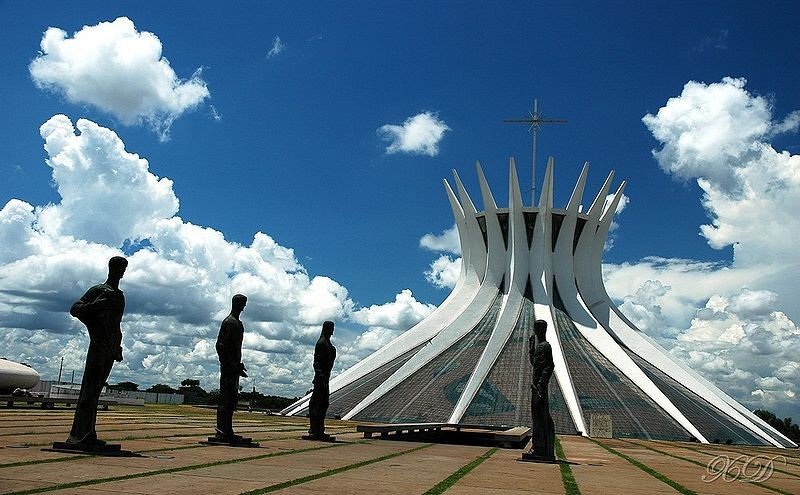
pixel 468 361
pixel 15 375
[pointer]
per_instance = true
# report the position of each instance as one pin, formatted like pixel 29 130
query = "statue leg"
pixel 543 427
pixel 314 415
pixel 95 374
pixel 323 407
pixel 228 382
pixel 549 428
pixel 317 407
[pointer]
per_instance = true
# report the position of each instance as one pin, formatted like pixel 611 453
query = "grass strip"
pixel 98 481
pixel 692 461
pixel 330 472
pixel 647 469
pixel 567 478
pixel 451 480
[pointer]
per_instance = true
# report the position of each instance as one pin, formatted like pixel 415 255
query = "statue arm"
pixel 223 340
pixel 90 303
pixel 547 371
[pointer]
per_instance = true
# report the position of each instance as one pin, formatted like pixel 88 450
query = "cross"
pixel 535 120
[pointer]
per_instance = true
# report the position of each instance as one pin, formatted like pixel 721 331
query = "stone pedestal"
pixel 601 426
pixel 323 438
pixel 104 449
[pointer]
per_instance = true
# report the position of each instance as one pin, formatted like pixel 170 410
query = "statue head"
pixel 327 328
pixel 116 267
pixel 238 302
pixel 540 328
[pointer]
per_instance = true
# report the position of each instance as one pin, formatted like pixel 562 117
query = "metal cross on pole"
pixel 535 120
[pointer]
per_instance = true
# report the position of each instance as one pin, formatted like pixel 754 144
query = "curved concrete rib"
pixel 467 286
pixel 517 277
pixel 541 270
pixel 474 310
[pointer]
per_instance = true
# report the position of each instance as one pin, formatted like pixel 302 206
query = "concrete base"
pixel 325 438
pixel 108 449
pixel 246 442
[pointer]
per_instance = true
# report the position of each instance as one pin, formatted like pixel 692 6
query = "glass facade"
pixel 430 394
pixel 348 397
pixel 603 389
pixel 504 398
pixel 710 421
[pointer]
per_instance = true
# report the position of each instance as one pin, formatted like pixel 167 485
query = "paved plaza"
pixel 173 462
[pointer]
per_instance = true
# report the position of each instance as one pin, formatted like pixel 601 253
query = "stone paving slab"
pixel 415 472
pixel 596 471
pixel 84 468
pixel 781 480
pixel 685 473
pixel 175 484
pixel 248 475
pixel 599 471
pixel 503 473
pixel 129 434
pixel 782 460
pixel 732 454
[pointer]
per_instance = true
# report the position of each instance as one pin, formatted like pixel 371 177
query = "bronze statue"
pixel 100 309
pixel 544 434
pixel 229 350
pixel 324 356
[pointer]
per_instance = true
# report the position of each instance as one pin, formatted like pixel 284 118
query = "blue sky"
pixel 283 136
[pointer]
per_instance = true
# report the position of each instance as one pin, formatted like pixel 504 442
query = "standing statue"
pixel 100 309
pixel 324 356
pixel 229 350
pixel 544 433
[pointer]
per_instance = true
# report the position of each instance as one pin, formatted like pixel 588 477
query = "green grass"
pixel 567 478
pixel 647 469
pixel 451 480
pixel 330 472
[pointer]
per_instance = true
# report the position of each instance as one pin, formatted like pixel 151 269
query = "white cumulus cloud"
pixel 733 321
pixel 444 272
pixel 119 70
pixel 401 314
pixel 108 195
pixel 387 321
pixel 179 281
pixel 418 135
pixel 447 241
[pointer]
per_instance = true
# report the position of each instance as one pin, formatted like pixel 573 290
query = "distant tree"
pixel 213 397
pixel 129 386
pixel 269 402
pixel 160 388
pixel 192 392
pixel 785 426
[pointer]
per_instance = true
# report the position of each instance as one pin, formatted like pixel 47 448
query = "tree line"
pixel 193 393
